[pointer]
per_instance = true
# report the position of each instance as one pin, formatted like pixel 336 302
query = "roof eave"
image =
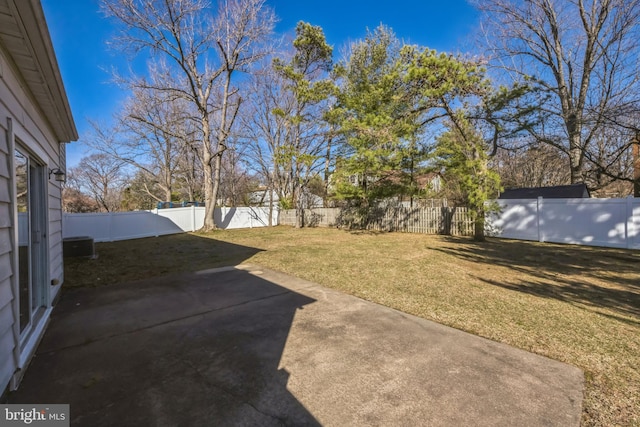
pixel 55 107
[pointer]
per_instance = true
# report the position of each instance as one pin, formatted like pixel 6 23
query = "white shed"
pixel 35 122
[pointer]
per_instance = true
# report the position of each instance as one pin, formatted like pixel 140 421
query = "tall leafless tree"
pixel 278 143
pixel 531 166
pixel 266 133
pixel 237 183
pixel 198 53
pixel 100 176
pixel 152 133
pixel 582 56
pixel 75 201
pixel 189 175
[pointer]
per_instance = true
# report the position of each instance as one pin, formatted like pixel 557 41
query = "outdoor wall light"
pixel 58 174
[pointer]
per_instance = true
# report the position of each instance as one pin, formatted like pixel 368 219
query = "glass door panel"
pixel 32 266
pixel 24 240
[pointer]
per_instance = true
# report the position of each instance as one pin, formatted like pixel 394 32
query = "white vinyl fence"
pixel 113 226
pixel 595 222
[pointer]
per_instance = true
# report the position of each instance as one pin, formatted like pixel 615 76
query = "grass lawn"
pixel 579 305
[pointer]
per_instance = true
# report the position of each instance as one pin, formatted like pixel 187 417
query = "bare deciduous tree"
pixel 581 55
pixel 102 177
pixel 236 181
pixel 189 175
pixel 198 55
pixel 531 166
pixel 75 201
pixel 266 132
pixel 152 133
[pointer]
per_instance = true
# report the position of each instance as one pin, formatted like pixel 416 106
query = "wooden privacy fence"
pixel 444 220
pixel 316 217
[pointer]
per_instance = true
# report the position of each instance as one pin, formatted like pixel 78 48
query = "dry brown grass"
pixel 579 305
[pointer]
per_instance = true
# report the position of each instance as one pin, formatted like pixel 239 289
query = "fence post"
pixel 193 218
pixel 539 206
pixel 223 215
pixel 629 220
pixel 111 226
pixel 156 225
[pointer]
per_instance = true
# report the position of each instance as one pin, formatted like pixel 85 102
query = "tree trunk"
pixel 478 226
pixel 327 174
pixel 209 193
pixel 297 200
pixel 575 158
pixel 216 176
pixel 270 206
pixel 212 174
pixel 636 167
pixel 210 202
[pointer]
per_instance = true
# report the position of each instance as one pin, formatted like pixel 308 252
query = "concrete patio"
pixel 248 346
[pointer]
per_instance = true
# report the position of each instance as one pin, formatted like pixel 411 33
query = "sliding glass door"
pixel 30 178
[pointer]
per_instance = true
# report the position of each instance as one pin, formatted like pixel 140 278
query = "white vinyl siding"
pixel 55 233
pixel 35 135
pixel 7 339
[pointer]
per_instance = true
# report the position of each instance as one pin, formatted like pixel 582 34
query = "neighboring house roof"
pixel 573 191
pixel 262 196
pixel 24 36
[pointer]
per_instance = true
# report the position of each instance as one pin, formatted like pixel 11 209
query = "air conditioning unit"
pixel 79 246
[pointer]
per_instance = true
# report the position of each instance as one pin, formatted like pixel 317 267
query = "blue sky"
pixel 80 33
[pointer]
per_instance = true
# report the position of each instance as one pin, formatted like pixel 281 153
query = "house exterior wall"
pixel 7 360
pixel 32 131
